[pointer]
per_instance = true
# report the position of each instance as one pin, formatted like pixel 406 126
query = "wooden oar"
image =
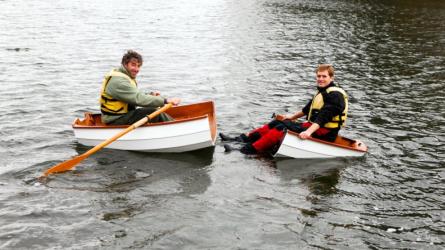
pixel 67 165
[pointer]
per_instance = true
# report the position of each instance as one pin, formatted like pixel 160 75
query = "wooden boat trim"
pixel 78 126
pixel 361 147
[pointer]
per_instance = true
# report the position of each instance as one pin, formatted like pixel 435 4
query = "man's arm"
pixel 308 132
pixel 296 115
pixel 121 89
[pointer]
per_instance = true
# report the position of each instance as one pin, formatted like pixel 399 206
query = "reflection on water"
pixel 122 171
pixel 320 176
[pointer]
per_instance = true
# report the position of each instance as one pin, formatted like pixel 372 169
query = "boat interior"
pixel 181 113
pixel 355 144
pixel 341 141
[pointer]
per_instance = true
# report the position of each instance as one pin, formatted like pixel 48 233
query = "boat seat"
pixel 344 141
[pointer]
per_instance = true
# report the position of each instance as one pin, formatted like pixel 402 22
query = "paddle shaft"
pixel 67 165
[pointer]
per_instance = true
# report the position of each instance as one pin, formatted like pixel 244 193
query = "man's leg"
pixel 267 142
pixel 256 134
pixel 274 134
pixel 324 134
pixel 294 126
pixel 137 114
pixel 253 135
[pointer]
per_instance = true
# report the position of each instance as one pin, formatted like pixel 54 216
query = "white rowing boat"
pixel 294 147
pixel 194 128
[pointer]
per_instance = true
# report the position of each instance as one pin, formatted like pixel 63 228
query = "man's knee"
pixel 296 127
pixel 274 123
pixel 280 127
pixel 163 117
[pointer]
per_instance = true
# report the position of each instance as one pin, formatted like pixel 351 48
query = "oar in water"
pixel 67 165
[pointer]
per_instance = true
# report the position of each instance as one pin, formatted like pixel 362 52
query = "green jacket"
pixel 121 89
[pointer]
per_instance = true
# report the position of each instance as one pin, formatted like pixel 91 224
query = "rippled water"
pixel 253 58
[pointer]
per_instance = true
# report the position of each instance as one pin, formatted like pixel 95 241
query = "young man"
pixel 326 114
pixel 120 95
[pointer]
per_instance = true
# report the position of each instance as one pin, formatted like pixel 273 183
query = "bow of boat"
pixel 294 147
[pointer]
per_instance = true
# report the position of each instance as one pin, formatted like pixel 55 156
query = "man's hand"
pixel 283 117
pixel 280 117
pixel 305 134
pixel 174 100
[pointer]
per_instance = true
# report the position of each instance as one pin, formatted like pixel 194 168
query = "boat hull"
pixel 294 147
pixel 187 133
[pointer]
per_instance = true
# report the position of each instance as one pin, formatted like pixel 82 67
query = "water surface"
pixel 252 58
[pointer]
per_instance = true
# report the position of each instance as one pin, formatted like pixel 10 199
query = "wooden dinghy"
pixel 194 128
pixel 294 147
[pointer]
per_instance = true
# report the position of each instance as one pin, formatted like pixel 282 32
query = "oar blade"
pixel 65 166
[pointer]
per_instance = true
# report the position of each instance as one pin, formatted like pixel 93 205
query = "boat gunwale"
pixel 333 144
pixel 78 126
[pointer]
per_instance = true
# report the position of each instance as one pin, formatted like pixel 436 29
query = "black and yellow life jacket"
pixel 109 105
pixel 318 103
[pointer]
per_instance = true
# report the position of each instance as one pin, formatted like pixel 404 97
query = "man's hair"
pixel 130 55
pixel 328 67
